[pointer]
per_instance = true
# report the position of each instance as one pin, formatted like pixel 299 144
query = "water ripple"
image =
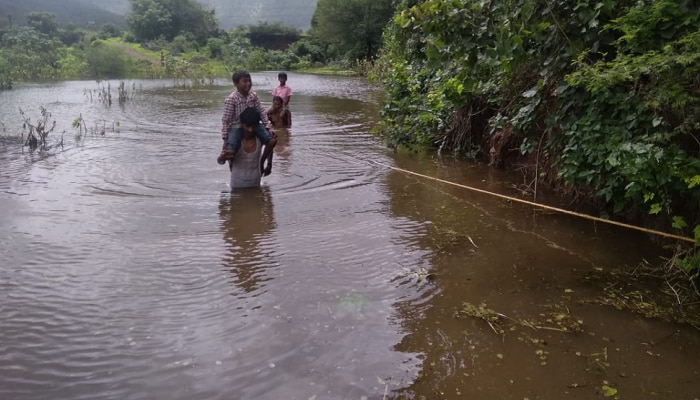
pixel 129 270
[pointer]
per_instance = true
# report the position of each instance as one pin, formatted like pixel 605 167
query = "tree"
pixel 29 54
pixel 273 36
pixel 150 19
pixel 43 21
pixel 104 63
pixel 352 27
pixel 110 30
pixel 70 34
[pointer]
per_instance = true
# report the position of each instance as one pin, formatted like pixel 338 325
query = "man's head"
pixel 242 81
pixel 250 118
pixel 282 77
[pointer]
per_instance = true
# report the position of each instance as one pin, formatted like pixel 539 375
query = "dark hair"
pixel 277 98
pixel 240 74
pixel 250 117
pixel 282 75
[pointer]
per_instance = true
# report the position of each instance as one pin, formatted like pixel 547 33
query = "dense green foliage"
pixel 292 13
pixel 273 36
pixel 351 29
pixel 29 55
pixel 183 34
pixel 181 39
pixel 598 96
pixel 79 12
pixel 151 19
pixel 231 14
pixel 236 48
pixel 43 22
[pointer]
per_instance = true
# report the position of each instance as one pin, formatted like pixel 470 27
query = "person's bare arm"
pixel 266 158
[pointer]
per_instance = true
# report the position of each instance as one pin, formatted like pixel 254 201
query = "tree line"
pixel 342 34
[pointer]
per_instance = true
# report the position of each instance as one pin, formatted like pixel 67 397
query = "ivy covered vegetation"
pixel 598 98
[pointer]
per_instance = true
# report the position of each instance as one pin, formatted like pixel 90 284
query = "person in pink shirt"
pixel 282 90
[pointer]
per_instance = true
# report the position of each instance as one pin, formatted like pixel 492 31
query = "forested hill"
pixel 80 12
pixel 296 13
pixel 230 13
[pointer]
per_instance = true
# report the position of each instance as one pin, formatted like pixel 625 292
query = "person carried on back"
pixel 252 162
pixel 240 99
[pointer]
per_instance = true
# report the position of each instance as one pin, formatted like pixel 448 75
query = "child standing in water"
pixel 283 91
pixel 240 99
pixel 278 115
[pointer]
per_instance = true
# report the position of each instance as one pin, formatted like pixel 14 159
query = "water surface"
pixel 129 271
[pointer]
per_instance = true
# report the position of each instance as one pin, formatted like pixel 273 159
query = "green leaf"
pixel 609 391
pixel 692 182
pixel 655 208
pixel 542 26
pixel 678 222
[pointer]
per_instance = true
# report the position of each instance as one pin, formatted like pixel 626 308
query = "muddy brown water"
pixel 128 270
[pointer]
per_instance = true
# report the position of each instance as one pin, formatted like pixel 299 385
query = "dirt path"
pixel 135 54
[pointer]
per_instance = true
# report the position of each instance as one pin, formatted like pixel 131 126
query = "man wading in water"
pixel 252 162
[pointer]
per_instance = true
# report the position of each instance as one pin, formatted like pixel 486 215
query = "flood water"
pixel 129 271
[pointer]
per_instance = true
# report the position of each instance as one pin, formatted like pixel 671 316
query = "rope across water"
pixel 543 206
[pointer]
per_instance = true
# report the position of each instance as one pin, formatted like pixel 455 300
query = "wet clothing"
pixel 245 168
pixel 234 105
pixel 285 92
pixel 235 136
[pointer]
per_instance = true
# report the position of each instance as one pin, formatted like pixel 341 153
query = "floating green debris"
pixel 556 320
pixel 495 320
pixel 609 391
pixel 420 276
pixel 646 291
pixel 598 362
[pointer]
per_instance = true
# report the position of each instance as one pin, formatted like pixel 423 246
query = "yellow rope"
pixel 530 203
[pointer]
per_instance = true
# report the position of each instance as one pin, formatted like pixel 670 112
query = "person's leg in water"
pixel 233 144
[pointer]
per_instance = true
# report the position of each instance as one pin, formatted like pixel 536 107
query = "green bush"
pixel 104 62
pixel 605 92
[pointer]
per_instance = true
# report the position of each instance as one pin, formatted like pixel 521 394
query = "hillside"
pixel 230 13
pixel 296 13
pixel 80 12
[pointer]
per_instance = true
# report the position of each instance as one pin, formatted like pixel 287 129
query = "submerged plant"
pixel 79 124
pixel 104 93
pixel 37 133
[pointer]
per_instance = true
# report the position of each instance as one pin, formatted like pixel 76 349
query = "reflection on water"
pixel 247 217
pixel 130 271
